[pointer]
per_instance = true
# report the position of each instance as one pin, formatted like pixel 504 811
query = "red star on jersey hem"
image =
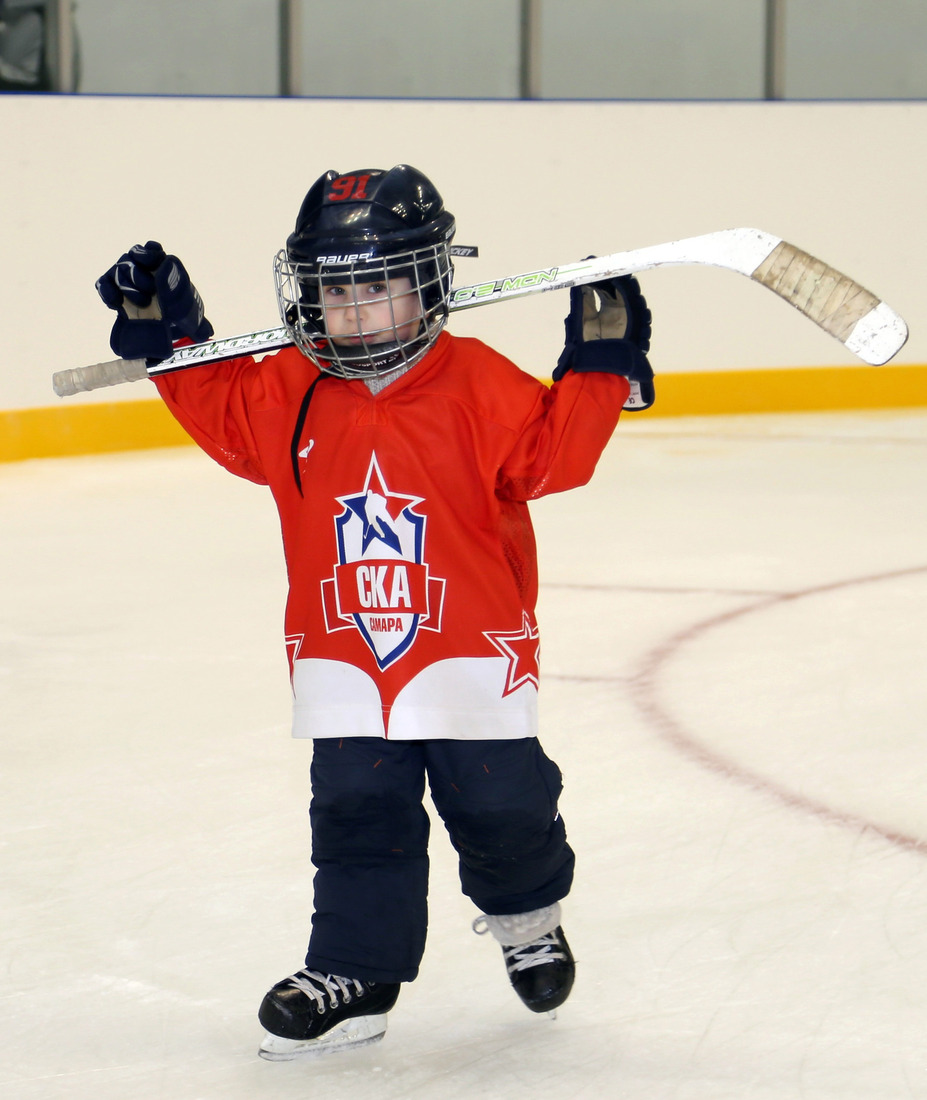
pixel 522 648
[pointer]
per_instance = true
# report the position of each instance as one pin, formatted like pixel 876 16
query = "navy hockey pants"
pixel 498 801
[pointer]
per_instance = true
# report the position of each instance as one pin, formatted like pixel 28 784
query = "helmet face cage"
pixel 384 312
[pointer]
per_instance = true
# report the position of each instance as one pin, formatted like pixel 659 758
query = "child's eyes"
pixel 370 290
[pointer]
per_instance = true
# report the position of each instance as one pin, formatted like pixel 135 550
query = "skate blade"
pixel 358 1032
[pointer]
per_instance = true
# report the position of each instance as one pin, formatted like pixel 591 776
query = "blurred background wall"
pixel 554 130
pixel 576 49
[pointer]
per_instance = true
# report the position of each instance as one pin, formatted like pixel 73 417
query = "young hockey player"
pixel 401 459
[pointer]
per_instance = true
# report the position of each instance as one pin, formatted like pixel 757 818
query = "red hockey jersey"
pixel 409 548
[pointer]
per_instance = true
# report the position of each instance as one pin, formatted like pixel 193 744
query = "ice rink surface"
pixel 734 619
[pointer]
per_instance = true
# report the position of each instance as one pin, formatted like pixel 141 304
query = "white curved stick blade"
pixel 878 336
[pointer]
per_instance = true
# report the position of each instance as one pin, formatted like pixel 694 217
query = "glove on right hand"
pixel 156 304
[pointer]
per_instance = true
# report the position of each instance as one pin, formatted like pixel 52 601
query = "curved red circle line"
pixel 644 690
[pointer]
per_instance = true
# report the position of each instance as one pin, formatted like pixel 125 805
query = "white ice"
pixel 734 617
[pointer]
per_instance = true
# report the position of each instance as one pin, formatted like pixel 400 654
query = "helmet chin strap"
pixel 343 366
pixel 389 359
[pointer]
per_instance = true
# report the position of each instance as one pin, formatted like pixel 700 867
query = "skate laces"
pixel 527 939
pixel 316 986
pixel 546 949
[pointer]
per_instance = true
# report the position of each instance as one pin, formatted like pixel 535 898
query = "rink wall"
pixel 532 184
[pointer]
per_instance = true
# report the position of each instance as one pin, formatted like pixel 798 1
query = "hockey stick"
pixel 865 325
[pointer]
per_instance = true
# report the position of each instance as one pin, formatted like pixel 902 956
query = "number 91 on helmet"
pixel 364 281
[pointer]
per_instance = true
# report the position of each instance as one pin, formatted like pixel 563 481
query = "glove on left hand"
pixel 613 336
pixel 156 304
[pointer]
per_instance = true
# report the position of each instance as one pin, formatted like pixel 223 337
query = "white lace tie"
pixel 537 953
pixel 316 985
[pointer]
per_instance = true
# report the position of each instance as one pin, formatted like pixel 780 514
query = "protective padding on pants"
pixel 498 800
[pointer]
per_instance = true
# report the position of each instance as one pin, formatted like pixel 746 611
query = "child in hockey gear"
pixel 402 460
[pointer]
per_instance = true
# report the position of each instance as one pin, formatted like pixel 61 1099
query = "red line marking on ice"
pixel 644 688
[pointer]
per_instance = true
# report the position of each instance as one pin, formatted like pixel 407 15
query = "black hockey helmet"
pixel 362 227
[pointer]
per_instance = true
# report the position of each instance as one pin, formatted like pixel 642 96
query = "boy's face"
pixel 382 312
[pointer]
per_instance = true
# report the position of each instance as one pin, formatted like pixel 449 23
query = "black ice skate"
pixel 311 1013
pixel 537 956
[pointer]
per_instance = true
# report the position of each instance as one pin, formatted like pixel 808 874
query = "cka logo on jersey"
pixel 381 585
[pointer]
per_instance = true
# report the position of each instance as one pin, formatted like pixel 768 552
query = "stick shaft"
pixel 865 325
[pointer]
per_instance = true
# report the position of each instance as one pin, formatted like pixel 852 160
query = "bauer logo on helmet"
pixel 351 258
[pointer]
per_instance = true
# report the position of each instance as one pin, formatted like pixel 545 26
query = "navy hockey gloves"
pixel 612 336
pixel 156 304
